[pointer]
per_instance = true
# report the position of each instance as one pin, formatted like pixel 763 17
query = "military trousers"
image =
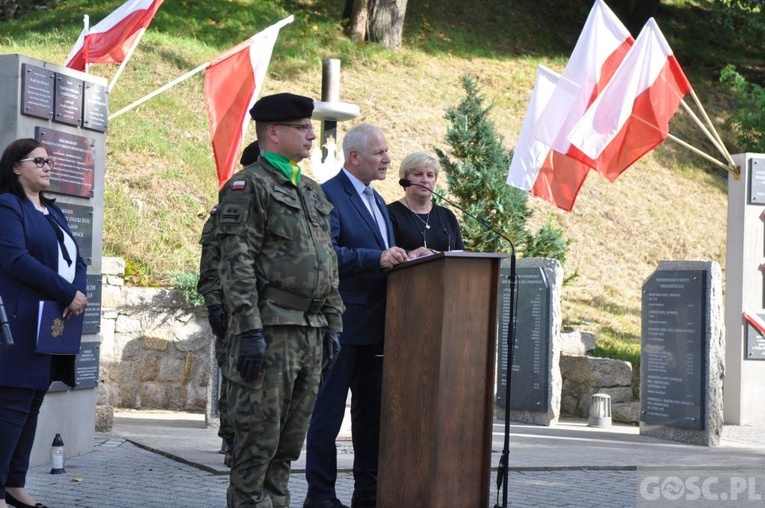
pixel 271 415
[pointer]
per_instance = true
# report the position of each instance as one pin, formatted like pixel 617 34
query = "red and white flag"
pixel 232 83
pixel 536 167
pixel 600 49
pixel 631 116
pixel 111 39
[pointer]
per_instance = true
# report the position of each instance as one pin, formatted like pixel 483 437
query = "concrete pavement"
pixel 169 459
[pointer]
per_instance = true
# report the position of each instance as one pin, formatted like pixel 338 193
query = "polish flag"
pixel 111 39
pixel 232 83
pixel 600 49
pixel 631 116
pixel 536 167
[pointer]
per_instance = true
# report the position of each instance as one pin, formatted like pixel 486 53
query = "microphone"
pixel 4 326
pixel 503 469
pixel 405 182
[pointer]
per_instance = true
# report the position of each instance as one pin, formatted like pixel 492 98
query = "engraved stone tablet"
pixel 530 369
pixel 86 373
pixel 673 356
pixel 37 90
pixel 80 221
pixel 68 100
pixel 92 322
pixel 95 111
pixel 75 161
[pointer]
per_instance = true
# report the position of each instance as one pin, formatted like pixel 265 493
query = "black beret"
pixel 281 107
pixel 250 154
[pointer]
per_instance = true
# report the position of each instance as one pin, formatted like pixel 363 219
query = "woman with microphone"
pixel 417 220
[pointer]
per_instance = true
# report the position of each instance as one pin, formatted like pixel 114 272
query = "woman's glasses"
pixel 40 162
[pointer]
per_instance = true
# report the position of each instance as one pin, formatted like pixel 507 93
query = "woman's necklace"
pixel 427 217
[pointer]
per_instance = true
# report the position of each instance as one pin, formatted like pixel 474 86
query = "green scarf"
pixel 283 164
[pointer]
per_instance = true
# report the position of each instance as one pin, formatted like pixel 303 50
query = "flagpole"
pixel 714 139
pixel 711 125
pixel 85 28
pixel 733 171
pixel 127 58
pixel 159 90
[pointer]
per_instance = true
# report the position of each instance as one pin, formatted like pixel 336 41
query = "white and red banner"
pixel 232 84
pixel 600 49
pixel 536 167
pixel 110 40
pixel 631 116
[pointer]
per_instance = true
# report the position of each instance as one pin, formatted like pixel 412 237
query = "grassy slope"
pixel 160 176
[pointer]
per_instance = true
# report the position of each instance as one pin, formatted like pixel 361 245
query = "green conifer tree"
pixel 476 171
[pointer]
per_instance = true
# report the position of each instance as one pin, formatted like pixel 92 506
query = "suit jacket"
pixel 359 245
pixel 28 274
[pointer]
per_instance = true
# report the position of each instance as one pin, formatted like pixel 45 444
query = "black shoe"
pixel 12 501
pixel 323 503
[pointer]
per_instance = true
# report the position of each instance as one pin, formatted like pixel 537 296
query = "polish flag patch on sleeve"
pixel 238 185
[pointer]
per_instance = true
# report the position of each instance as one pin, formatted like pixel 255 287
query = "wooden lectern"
pixel 438 382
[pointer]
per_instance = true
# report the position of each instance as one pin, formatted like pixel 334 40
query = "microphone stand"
pixel 5 326
pixel 503 470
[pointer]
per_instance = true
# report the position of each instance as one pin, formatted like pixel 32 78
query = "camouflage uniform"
pixel 209 288
pixel 279 273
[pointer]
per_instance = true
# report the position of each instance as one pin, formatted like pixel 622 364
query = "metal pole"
pixel 330 92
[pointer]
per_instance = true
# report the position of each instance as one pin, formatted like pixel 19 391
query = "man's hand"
pixel 330 350
pixel 252 352
pixel 420 252
pixel 392 257
pixel 216 316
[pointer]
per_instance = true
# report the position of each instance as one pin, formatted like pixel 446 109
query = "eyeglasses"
pixel 304 127
pixel 40 162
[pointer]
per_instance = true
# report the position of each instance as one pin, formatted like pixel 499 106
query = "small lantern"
pixel 600 410
pixel 57 456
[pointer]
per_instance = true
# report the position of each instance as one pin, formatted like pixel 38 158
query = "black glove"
pixel 252 352
pixel 330 350
pixel 216 316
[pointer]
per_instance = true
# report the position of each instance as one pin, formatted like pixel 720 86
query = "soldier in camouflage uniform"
pixel 278 272
pixel 209 287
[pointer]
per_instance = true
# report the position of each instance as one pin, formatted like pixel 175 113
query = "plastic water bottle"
pixel 57 456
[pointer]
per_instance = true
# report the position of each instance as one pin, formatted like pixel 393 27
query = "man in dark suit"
pixel 362 235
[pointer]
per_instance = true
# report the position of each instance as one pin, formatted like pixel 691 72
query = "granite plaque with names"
pixel 68 99
pixel 92 322
pixel 80 221
pixel 75 161
pixel 756 181
pixel 530 369
pixel 37 91
pixel 95 112
pixel 673 349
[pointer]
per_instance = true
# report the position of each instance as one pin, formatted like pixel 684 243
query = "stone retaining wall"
pixel 155 350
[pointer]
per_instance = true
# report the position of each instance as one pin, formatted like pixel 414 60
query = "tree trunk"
pixel 357 13
pixel 386 22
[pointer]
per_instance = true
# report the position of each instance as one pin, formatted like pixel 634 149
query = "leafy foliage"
pixel 748 119
pixel 186 283
pixel 476 175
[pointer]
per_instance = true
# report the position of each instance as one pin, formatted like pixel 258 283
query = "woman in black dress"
pixel 417 220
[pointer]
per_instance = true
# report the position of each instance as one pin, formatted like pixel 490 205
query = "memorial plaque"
pixel 37 91
pixel 530 369
pixel 75 161
pixel 68 99
pixel 86 373
pixel 92 322
pixel 673 347
pixel 755 342
pixel 95 111
pixel 80 221
pixel 756 181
